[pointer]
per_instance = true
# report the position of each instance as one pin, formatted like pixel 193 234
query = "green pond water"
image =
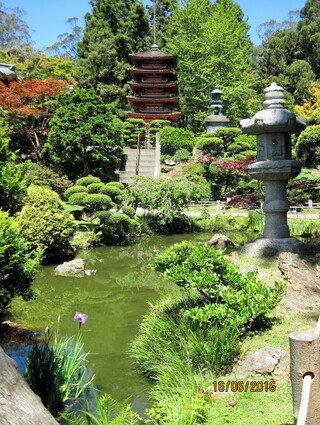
pixel 115 296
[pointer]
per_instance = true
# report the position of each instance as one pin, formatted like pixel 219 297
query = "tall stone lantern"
pixel 216 119
pixel 273 127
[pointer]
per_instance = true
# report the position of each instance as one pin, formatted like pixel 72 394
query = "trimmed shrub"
pixel 174 139
pixel 85 181
pixel 119 185
pixel 193 168
pixel 46 224
pixel 95 187
pixel 98 201
pixel 74 189
pixel 129 211
pixel 113 191
pixel 17 266
pixel 210 145
pixel 103 216
pixel 119 229
pixel 182 155
pixel 77 198
pixel 308 146
pixel 41 175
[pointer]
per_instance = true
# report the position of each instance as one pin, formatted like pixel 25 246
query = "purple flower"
pixel 80 317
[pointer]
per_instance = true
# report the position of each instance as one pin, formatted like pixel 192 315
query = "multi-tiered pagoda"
pixel 154 86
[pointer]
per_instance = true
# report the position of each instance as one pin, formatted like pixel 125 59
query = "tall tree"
pixel 309 34
pixel 14 31
pixel 113 30
pixel 84 134
pixel 163 10
pixel 212 43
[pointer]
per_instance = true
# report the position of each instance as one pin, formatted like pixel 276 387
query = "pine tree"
pixel 114 29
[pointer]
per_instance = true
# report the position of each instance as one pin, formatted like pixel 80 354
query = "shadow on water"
pixel 115 296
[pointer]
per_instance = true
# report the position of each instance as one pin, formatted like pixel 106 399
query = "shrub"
pixel 226 296
pixel 13 187
pixel 182 155
pixel 77 198
pixel 95 187
pixel 103 216
pixel 74 189
pixel 85 181
pixel 210 145
pixel 308 146
pixel 46 224
pixel 41 175
pixel 17 266
pixel 119 185
pixel 113 191
pixel 129 211
pixel 98 201
pixel 193 168
pixel 119 229
pixel 174 139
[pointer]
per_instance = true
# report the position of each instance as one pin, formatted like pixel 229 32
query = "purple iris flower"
pixel 80 317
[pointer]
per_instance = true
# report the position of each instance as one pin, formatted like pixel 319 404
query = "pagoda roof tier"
pixel 154 53
pixel 152 71
pixel 170 116
pixel 162 100
pixel 170 84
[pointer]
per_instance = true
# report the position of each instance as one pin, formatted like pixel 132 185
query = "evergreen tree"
pixel 309 34
pixel 164 11
pixel 212 43
pixel 114 30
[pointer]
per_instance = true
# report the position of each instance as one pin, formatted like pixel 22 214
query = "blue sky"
pixel 47 18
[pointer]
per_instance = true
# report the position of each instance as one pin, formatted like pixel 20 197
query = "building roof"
pixel 155 52
pixel 8 72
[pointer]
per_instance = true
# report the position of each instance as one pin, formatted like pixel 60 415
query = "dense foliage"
pixel 46 224
pixel 17 265
pixel 85 134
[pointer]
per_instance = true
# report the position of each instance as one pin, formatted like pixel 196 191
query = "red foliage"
pixel 239 166
pixel 29 109
pixel 31 97
pixel 249 201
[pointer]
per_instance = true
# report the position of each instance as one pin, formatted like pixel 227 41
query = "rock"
pixel 165 168
pixel 19 405
pixel 71 268
pixel 267 360
pixel 314 244
pixel 220 241
pixel 299 274
pixel 170 162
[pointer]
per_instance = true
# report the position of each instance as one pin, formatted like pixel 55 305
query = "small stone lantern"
pixel 216 119
pixel 273 127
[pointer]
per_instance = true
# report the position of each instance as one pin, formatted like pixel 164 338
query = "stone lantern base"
pixel 264 247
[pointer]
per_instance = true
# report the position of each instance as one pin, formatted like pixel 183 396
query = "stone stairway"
pixel 147 163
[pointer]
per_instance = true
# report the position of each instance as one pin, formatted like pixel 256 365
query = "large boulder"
pixel 19 404
pixel 71 268
pixel 221 241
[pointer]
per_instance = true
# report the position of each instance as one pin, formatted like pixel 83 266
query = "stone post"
pixel 273 127
pixel 305 360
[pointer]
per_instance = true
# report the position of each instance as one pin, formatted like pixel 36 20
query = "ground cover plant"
pixel 183 341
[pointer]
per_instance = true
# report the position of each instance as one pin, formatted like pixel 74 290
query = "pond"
pixel 115 296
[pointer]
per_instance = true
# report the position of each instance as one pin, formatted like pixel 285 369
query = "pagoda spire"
pixel 154 22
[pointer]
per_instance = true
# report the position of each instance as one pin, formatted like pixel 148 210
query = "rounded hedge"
pixel 77 198
pixel 85 181
pixel 119 185
pixel 111 191
pixel 74 189
pixel 103 215
pixel 98 201
pixel 129 211
pixel 95 187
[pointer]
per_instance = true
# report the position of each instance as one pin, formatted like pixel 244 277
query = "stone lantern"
pixel 273 127
pixel 216 119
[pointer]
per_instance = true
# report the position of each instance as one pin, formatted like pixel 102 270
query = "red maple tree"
pixel 28 107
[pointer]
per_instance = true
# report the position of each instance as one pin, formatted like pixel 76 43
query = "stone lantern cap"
pixel 274 118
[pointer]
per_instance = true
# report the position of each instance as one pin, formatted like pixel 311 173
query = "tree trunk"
pixel 18 404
